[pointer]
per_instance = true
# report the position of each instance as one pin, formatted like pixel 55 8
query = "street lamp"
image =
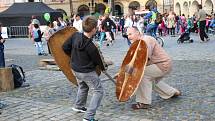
pixel 92 4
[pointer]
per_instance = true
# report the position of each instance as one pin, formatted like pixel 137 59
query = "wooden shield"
pixel 131 71
pixel 55 43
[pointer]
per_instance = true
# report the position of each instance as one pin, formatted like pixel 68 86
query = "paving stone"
pixel 50 95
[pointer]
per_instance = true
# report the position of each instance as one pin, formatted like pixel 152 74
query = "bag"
pixel 159 18
pixel 18 75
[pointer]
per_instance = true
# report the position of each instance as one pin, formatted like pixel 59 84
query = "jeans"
pixel 102 38
pixel 202 30
pixel 39 47
pixel 152 29
pixel 86 81
pixel 2 59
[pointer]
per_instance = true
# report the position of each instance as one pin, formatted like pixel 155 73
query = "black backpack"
pixel 18 75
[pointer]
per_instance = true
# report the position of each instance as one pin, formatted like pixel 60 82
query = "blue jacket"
pixel 149 15
pixel 212 24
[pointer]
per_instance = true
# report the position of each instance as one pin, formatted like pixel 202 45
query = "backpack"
pixel 159 18
pixel 18 75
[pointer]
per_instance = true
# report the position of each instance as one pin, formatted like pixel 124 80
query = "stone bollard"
pixel 6 79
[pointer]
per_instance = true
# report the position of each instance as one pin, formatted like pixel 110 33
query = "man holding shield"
pixel 159 64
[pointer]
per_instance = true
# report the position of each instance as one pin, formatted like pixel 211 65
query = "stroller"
pixel 185 37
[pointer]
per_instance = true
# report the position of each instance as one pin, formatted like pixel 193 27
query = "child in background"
pixel 37 35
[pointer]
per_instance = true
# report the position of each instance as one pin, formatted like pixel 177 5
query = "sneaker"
pixel 40 54
pixel 208 39
pixel 45 54
pixel 80 110
pixel 89 119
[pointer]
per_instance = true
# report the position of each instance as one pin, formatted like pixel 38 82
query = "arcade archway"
pixel 100 8
pixel 118 9
pixel 150 4
pixel 83 10
pixel 178 9
pixel 194 8
pixel 185 9
pixel 134 5
pixel 208 6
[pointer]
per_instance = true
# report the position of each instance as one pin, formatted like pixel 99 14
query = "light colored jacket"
pixel 202 15
pixel 157 55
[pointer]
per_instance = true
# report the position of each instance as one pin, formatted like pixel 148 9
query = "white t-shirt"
pixel 78 25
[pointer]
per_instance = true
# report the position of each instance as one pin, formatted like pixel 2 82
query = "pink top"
pixel 157 55
pixel 183 19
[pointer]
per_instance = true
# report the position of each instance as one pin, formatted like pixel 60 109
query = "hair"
pixel 77 15
pixel 36 26
pixel 89 23
pixel 135 28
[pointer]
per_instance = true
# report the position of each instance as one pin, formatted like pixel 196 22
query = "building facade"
pixel 90 6
pixel 121 6
pixel 187 7
pixel 190 7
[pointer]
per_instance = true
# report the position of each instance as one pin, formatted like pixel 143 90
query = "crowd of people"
pixel 150 23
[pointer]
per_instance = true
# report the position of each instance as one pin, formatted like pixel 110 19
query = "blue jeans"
pixel 88 81
pixel 39 47
pixel 2 59
pixel 102 38
pixel 152 29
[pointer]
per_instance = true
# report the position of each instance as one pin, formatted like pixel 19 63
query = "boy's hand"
pixel 116 75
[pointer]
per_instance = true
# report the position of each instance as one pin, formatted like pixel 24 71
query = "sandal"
pixel 140 106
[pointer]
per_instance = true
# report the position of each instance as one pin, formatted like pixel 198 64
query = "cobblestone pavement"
pixel 50 96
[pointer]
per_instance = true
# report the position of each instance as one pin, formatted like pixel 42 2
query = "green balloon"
pixel 47 16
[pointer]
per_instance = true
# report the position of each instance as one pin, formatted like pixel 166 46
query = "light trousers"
pixel 151 81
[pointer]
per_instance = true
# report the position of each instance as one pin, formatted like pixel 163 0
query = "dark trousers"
pixel 2 60
pixel 202 30
pixel 171 31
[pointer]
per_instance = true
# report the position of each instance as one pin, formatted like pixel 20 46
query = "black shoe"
pixel 40 54
pixel 80 110
pixel 89 119
pixel 45 54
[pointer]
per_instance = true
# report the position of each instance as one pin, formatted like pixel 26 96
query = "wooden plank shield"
pixel 55 43
pixel 131 71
